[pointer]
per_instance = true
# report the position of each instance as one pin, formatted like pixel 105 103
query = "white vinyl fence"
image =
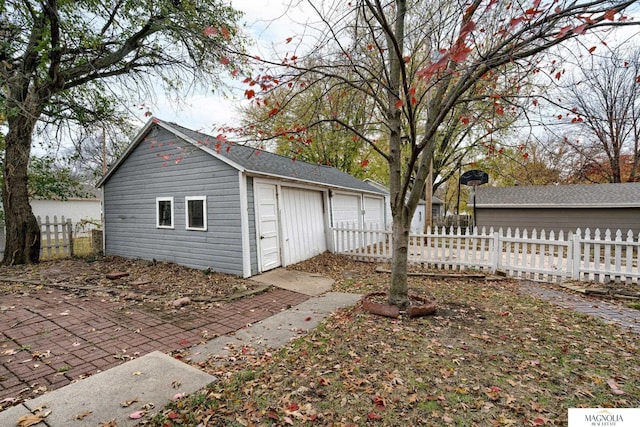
pixel 584 256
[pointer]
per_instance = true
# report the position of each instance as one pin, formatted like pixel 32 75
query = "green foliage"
pixel 47 180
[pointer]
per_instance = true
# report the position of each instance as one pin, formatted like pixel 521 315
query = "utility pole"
pixel 104 151
pixel 428 199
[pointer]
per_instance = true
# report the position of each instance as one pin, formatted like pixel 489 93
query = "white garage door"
pixel 303 225
pixel 374 212
pixel 346 210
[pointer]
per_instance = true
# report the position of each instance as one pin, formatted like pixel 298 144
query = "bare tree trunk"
pixel 398 289
pixel 22 245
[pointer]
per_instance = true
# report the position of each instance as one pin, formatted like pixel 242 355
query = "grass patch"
pixel 490 357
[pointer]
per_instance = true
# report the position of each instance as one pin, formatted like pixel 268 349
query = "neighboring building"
pixel 183 196
pixel 75 209
pixel 417 222
pixel 560 207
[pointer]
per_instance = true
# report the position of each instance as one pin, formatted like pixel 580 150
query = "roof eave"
pixel 309 182
pixel 555 206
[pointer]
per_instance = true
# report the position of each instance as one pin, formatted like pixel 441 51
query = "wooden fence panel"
pixel 56 238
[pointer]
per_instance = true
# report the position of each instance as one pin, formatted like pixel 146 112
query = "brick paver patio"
pixel 50 337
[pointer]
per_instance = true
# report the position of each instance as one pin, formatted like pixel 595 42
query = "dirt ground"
pixel 148 284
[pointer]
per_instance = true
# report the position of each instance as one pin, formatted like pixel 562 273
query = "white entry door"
pixel 303 224
pixel 268 226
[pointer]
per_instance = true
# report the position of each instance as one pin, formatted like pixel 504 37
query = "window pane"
pixel 196 213
pixel 164 213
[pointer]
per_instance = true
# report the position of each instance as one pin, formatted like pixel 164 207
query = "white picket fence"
pixel 582 256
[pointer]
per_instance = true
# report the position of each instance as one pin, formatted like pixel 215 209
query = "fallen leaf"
pixel 110 423
pixel 136 373
pixel 614 387
pixel 137 415
pixel 82 415
pixel 30 420
pixel 129 402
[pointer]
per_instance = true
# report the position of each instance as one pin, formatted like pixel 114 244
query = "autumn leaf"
pixel 224 60
pixel 209 31
pixel 82 415
pixel 137 415
pixel 373 416
pixel 289 39
pixel 30 420
pixel 614 387
pixel 399 103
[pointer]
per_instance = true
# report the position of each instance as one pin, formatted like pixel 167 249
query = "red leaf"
pixel 137 415
pixel 592 49
pixel 609 15
pixel 249 93
pixel 273 112
pixel 184 342
pixel 461 53
pixel 292 407
pixel 399 103
pixel 580 29
pixel 209 31
pixel 563 31
pixel 378 401
pixel 374 416
pixel 225 32
pixel 172 415
pixel 224 60
pixel 535 102
pixel 364 163
pixel 289 39
pixel 465 120
pixel 307 319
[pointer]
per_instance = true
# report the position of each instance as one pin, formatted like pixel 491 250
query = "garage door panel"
pixel 303 225
pixel 346 209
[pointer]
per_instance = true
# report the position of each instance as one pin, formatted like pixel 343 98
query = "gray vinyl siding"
pixel 564 219
pixel 130 206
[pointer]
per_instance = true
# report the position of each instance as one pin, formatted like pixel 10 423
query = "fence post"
pixel 496 252
pixel 574 255
pixel 70 234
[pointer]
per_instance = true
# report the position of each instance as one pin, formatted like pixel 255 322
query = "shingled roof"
pixel 255 161
pixel 623 195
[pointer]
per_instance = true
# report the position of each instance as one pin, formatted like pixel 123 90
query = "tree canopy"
pixel 64 60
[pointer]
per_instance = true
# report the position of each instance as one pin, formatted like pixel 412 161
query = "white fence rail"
pixel 585 256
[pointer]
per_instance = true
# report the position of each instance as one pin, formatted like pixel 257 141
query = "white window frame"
pixel 173 216
pixel 187 199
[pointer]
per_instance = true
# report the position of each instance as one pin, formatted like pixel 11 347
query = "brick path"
pixel 50 337
pixel 613 313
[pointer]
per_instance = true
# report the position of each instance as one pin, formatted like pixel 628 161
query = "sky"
pixel 268 22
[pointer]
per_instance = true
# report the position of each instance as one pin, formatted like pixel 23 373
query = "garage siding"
pixel 130 206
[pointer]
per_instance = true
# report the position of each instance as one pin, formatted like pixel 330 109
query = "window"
pixel 164 212
pixel 196 213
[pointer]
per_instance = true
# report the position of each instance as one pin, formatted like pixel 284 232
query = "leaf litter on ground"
pixel 489 357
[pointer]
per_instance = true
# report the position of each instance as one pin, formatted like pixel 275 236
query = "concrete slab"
pixel 276 330
pixel 9 417
pixel 152 379
pixel 297 281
